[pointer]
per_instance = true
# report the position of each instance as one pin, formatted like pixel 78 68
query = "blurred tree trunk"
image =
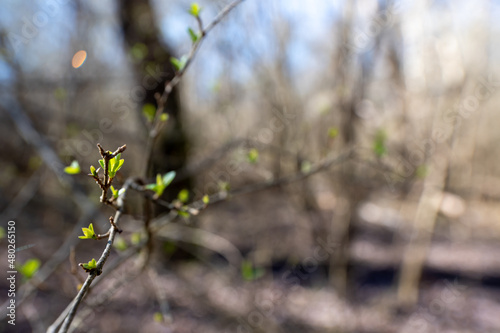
pixel 151 59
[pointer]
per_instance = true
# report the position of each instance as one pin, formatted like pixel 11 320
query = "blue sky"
pixel 246 35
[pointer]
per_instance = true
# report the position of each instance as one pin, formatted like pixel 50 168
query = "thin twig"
pixel 169 86
pixel 196 206
pixel 73 307
pixel 106 157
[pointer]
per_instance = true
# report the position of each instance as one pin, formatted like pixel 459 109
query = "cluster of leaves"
pixel 114 165
pixel 88 233
pixel 180 63
pixel 161 183
pixel 90 266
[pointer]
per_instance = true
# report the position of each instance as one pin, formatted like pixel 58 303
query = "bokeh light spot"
pixel 79 59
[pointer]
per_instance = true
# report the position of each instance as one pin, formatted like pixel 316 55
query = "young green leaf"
pixel 379 144
pixel 249 272
pixel 194 36
pixel 183 196
pixel 161 183
pixel 135 238
pixel 305 167
pixel 115 164
pixel 29 268
pixel 195 9
pixel 333 132
pixel 168 177
pixel 176 62
pixel 93 171
pixel 139 51
pixel 114 192
pixel 224 186
pixel 120 244
pixel 101 163
pixel 149 110
pixel 88 233
pixel 253 155
pixel 92 264
pixel 73 169
pixel 164 117
pixel 179 64
pixel 183 213
pixel 206 199
pixel 422 171
pixel 158 317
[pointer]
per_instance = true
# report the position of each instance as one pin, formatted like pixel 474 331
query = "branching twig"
pixel 169 86
pixel 107 156
pixel 162 101
pixel 70 311
pixel 196 206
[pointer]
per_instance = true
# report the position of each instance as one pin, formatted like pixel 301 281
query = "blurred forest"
pixel 347 149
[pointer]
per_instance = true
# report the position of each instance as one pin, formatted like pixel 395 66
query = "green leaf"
pixel 194 36
pixel 88 233
pixel 422 171
pixel 115 192
pixel 93 171
pixel 305 167
pixel 101 162
pixel 29 268
pixel 120 244
pixel 135 238
pixel 139 51
pixel 161 183
pixel 168 177
pixel 176 62
pixel 333 132
pixel 92 264
pixel 206 199
pixel 115 164
pixel 224 186
pixel 164 117
pixel 158 317
pixel 379 144
pixel 249 272
pixel 183 196
pixel 152 187
pixel 253 155
pixel 149 111
pixel 73 169
pixel 2 232
pixel 183 213
pixel 194 9
pixel 179 64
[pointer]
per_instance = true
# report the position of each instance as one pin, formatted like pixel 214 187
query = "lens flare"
pixel 79 59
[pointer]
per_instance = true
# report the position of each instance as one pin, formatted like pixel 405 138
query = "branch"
pixel 69 313
pixel 195 207
pixel 25 128
pixel 169 86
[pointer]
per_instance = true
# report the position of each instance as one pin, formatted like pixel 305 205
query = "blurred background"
pixel 354 144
